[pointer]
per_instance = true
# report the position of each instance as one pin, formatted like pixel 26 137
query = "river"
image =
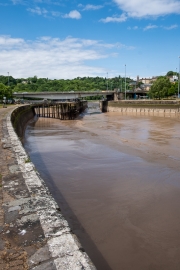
pixel 116 178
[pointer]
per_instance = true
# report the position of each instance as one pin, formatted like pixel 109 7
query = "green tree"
pixel 2 90
pixel 160 88
pixel 170 73
pixel 5 91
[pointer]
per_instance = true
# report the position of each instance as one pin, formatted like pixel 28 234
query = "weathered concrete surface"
pixel 141 106
pixel 33 232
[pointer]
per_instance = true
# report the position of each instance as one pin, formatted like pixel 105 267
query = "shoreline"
pixel 34 233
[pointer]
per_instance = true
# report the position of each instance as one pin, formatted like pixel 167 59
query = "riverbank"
pixel 33 232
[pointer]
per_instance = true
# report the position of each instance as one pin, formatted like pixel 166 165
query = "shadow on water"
pixel 76 227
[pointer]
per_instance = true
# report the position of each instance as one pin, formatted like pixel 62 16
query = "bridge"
pixel 71 95
pixel 60 110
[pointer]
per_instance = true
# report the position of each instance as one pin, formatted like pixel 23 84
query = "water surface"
pixel 116 178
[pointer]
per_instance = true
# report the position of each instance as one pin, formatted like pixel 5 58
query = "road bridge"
pixel 71 95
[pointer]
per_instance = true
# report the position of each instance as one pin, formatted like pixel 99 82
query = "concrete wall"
pixel 19 118
pixel 39 207
pixel 142 106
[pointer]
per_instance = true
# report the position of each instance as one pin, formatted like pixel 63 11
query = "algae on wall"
pixel 19 118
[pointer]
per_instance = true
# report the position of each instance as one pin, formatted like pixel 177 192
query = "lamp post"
pixel 178 76
pixel 107 81
pixel 125 81
pixel 8 78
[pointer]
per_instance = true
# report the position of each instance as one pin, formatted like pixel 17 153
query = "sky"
pixel 59 39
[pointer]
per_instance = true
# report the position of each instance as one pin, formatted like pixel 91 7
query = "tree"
pixel 160 88
pixel 2 90
pixel 5 91
pixel 8 80
pixel 170 73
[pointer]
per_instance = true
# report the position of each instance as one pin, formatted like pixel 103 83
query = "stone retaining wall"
pixel 33 213
pixel 19 118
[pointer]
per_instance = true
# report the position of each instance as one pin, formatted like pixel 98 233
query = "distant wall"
pixel 150 106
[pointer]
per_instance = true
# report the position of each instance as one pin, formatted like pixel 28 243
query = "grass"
pixel 27 160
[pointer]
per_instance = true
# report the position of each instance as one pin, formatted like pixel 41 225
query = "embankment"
pixel 33 220
pixel 142 106
pixel 19 118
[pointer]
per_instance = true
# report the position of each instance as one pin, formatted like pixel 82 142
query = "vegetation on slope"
pixel 161 87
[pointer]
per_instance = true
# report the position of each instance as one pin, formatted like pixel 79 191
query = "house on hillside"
pixel 173 78
pixel 146 82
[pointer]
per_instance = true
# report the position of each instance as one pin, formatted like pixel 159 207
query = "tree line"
pixel 34 84
pixel 161 88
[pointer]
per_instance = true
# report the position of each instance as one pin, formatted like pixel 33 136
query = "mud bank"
pixel 32 217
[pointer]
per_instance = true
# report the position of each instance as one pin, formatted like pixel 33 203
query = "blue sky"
pixel 68 39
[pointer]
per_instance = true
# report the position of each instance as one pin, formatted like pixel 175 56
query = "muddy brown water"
pixel 116 178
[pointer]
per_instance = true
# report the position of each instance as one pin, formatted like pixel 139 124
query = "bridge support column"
pixel 116 96
pixel 121 95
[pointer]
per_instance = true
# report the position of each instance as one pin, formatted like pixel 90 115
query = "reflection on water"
pixel 116 179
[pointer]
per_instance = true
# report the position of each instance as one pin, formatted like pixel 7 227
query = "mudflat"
pixel 116 178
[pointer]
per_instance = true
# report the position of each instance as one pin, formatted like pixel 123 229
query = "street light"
pixel 107 81
pixel 178 76
pixel 125 81
pixel 8 78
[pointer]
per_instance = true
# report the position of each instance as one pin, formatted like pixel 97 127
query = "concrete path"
pixel 12 254
pixel 33 232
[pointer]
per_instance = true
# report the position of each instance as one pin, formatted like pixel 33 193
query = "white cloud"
pixel 28 2
pixel 144 8
pixel 49 2
pixel 150 26
pixel 38 10
pixel 74 14
pixel 55 13
pixel 8 42
pixel 133 28
pixel 15 2
pixel 53 57
pixel 44 12
pixel 171 27
pixel 121 18
pixel 92 7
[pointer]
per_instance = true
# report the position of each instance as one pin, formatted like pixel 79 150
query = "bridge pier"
pixel 60 110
